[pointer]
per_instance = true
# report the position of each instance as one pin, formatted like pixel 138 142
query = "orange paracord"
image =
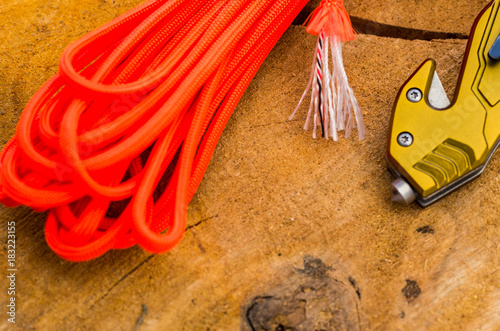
pixel 148 93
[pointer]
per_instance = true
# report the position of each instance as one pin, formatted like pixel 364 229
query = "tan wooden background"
pixel 285 232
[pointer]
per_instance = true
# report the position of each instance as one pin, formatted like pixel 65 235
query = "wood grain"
pixel 284 230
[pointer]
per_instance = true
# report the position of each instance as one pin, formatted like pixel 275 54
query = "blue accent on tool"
pixel 494 53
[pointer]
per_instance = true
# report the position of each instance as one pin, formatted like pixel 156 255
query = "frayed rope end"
pixel 333 106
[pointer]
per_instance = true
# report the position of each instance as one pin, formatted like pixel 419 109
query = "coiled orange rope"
pixel 134 115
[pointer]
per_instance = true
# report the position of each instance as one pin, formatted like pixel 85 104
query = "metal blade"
pixel 437 95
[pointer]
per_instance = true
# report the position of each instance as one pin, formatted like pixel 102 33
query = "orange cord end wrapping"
pixel 332 19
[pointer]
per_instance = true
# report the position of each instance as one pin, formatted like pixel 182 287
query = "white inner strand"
pixel 339 109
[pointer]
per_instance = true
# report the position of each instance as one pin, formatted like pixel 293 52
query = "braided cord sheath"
pixel 132 119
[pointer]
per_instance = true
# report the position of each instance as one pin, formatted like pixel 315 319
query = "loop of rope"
pixel 115 145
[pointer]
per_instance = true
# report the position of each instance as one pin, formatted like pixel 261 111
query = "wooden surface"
pixel 284 230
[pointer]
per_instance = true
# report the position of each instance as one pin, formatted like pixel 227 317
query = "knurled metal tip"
pixel 402 192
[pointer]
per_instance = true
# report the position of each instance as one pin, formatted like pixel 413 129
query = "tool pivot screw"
pixel 405 139
pixel 414 95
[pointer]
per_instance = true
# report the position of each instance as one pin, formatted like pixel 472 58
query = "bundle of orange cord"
pixel 140 101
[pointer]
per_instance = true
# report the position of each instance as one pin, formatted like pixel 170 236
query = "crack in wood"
pixel 365 26
pixel 140 320
pixel 122 279
pixel 371 27
pixel 272 124
pixel 134 269
pixel 201 222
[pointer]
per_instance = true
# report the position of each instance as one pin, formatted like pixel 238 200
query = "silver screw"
pixel 414 95
pixel 405 139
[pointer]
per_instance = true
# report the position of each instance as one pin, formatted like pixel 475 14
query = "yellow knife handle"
pixel 435 151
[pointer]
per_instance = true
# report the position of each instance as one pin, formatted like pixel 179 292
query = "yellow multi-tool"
pixel 435 146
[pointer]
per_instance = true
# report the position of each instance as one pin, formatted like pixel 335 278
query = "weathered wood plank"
pixel 280 221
